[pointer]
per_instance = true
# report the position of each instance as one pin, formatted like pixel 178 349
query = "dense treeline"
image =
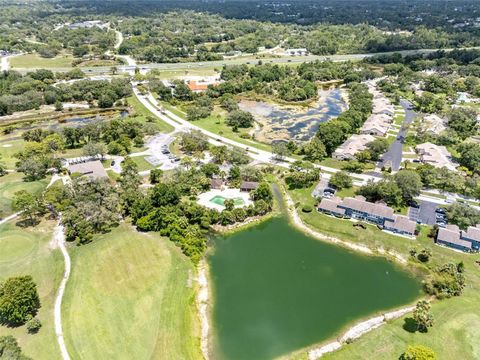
pixel 174 31
pixel 333 133
pixel 25 92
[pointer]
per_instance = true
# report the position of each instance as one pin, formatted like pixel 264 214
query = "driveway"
pixel 395 152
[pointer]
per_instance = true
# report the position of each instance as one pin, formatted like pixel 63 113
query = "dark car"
pixel 112 163
pixel 440 210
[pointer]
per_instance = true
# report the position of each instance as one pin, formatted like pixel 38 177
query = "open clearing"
pixel 457 320
pixel 28 252
pixel 34 61
pixel 129 297
pixel 10 184
pixel 8 148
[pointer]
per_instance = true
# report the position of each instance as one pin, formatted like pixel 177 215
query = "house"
pixel 437 156
pixel 351 146
pixel 376 213
pixel 331 206
pixel 216 184
pixel 196 87
pixel 376 124
pixel 92 169
pixel 453 237
pixel 248 186
pixel 433 124
pixel 401 225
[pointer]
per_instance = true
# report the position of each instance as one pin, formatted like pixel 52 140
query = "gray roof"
pixel 401 223
pixel 452 237
pixel 331 205
pixel 359 204
pixel 251 185
pixel 92 169
pixel 216 183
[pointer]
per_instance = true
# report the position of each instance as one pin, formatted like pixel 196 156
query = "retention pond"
pixel 276 290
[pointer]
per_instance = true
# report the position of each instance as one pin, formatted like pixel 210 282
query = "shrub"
pixel 33 326
pixel 418 352
pixel 307 208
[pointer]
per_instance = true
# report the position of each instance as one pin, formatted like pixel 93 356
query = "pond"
pixel 276 290
pixel 294 122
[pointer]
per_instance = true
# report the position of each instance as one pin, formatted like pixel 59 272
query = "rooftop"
pixel 353 145
pixel 435 155
pixel 92 169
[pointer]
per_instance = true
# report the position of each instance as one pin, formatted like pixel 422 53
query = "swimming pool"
pixel 220 200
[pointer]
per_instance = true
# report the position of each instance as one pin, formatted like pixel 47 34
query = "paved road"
pixel 394 154
pixel 219 63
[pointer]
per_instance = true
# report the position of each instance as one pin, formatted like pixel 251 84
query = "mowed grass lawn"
pixel 142 112
pixel 35 61
pixel 130 296
pixel 8 149
pixel 456 330
pixel 13 182
pixel 27 251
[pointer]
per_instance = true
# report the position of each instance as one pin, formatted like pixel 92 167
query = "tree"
pixel 94 149
pixel 9 349
pixel 3 170
pixel 19 300
pixel 332 134
pixel 263 192
pixel 377 147
pixel 341 180
pixel 424 255
pixel 280 150
pixel 314 150
pixel 27 204
pixel 240 119
pixel 409 183
pixel 463 120
pixel 469 156
pixel 418 352
pixel 156 176
pixel 422 316
pixel 229 204
pixel 165 194
pixel 463 215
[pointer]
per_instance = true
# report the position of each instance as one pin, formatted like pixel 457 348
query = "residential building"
pixel 92 169
pixel 433 124
pixel 196 87
pixel 435 155
pixel 351 146
pixel 453 237
pixel 376 213
pixel 376 124
pixel 248 186
pixel 216 184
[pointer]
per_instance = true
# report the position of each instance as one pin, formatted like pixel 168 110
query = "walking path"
pixel 59 241
pixel 202 304
pixel 8 218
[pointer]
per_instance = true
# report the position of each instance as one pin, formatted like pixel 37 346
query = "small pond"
pixel 276 290
pixel 279 122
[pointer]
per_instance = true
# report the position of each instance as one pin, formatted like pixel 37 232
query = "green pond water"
pixel 276 290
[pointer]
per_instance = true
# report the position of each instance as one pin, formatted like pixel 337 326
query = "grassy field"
pixel 142 163
pixel 11 183
pixel 130 296
pixel 34 61
pixel 143 112
pixel 457 320
pixel 215 123
pixel 27 252
pixel 7 151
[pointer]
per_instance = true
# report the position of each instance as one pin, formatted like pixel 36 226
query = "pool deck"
pixel 204 199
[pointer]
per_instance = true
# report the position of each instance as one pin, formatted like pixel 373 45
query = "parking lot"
pixel 426 213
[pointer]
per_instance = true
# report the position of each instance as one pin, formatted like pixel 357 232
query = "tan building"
pixel 351 146
pixel 435 155
pixel 92 169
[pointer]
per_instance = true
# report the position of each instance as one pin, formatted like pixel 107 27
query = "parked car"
pixel 112 163
pixel 440 210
